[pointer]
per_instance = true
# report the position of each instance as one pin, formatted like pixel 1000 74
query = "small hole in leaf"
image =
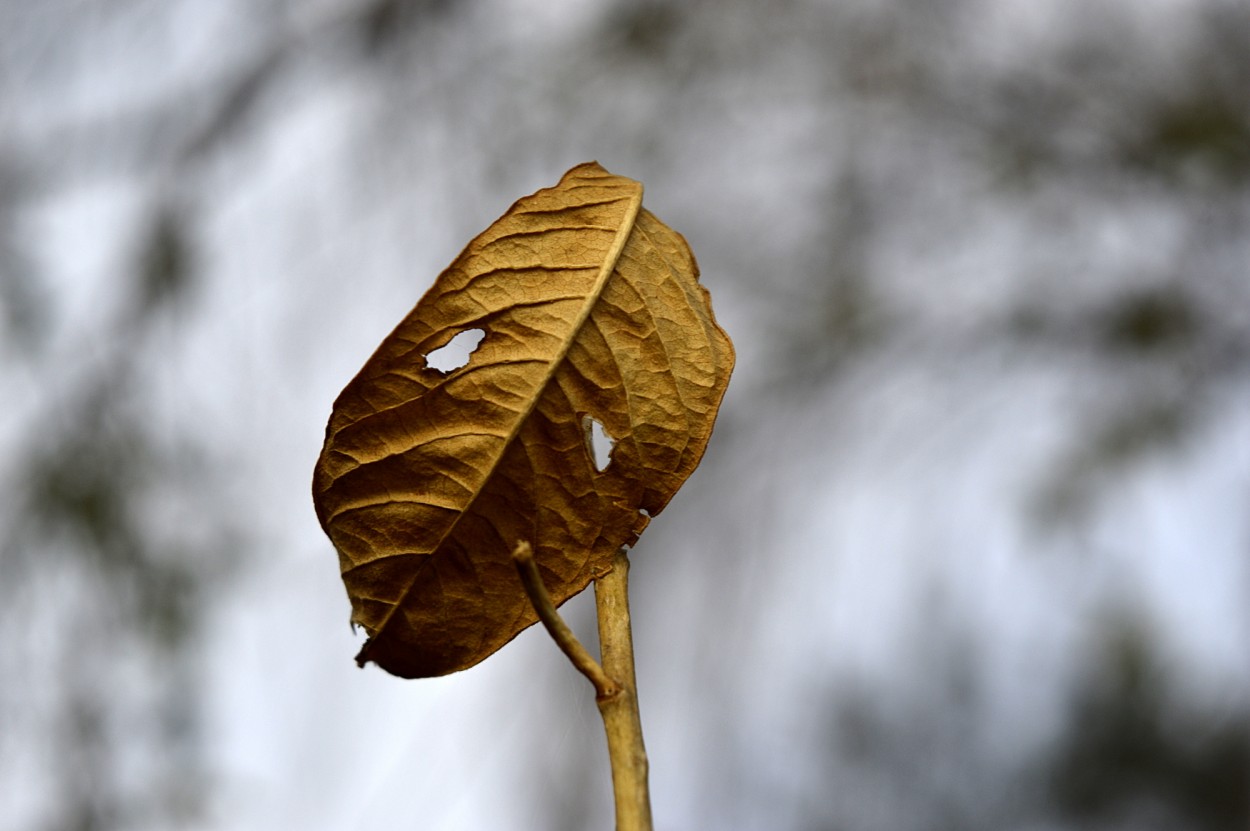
pixel 598 443
pixel 455 353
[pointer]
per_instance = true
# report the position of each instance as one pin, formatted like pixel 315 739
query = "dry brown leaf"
pixel 591 309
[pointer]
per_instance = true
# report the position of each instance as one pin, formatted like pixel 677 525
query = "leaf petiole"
pixel 614 681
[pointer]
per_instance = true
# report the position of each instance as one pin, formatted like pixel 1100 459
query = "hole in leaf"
pixel 455 353
pixel 598 443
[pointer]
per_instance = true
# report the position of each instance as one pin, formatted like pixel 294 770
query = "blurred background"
pixel 969 550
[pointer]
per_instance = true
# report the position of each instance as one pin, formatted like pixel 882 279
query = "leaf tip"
pixel 362 657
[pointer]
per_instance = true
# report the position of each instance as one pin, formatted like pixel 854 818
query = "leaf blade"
pixel 591 307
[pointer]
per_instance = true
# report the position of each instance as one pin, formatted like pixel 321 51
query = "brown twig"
pixel 621 720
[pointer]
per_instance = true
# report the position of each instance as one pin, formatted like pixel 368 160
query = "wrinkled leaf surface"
pixel 591 310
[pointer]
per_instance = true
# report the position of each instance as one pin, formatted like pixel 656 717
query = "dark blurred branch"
pixel 181 131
